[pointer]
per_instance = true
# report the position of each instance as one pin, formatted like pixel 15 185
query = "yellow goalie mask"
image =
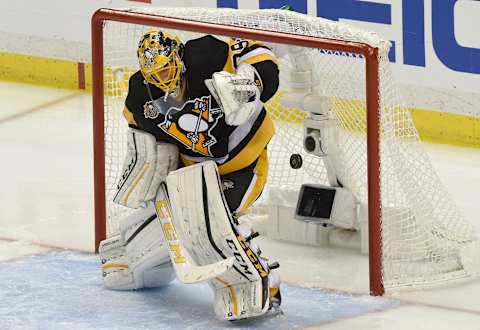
pixel 160 57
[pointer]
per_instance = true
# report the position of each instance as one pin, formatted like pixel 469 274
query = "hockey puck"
pixel 296 161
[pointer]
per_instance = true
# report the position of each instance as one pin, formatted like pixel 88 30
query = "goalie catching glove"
pixel 237 94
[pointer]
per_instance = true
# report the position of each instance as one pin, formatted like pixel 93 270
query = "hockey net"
pixel 423 238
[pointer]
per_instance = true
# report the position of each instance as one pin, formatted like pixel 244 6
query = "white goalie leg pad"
pixel 186 269
pixel 209 233
pixel 146 164
pixel 229 298
pixel 137 257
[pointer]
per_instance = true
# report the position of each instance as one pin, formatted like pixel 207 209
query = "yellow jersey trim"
pixel 261 172
pixel 249 153
pixel 252 150
pixel 129 116
pixel 229 64
pixel 260 58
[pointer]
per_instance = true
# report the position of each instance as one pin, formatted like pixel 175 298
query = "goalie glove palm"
pixel 236 94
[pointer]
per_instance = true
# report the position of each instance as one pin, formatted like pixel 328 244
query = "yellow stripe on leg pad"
pixel 108 266
pixel 232 295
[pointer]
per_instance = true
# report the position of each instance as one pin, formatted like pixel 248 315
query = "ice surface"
pixel 63 290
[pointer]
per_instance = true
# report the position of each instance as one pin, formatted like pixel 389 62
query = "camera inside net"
pixel 314 136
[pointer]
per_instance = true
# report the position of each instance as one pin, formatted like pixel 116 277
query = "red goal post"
pixel 372 104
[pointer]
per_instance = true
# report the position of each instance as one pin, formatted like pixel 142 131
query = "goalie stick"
pixel 185 270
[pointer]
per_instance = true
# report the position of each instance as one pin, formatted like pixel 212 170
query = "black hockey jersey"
pixel 197 124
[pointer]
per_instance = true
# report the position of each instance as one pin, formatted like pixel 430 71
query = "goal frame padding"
pixel 372 103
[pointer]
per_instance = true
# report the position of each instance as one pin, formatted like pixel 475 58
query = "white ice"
pixel 46 202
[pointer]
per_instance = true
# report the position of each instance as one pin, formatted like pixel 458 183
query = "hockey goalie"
pixel 196 160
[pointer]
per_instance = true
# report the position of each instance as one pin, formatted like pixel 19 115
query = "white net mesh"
pixel 423 233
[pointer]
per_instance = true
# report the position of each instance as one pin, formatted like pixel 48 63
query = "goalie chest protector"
pixel 198 126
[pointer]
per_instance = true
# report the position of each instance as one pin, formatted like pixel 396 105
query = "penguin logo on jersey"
pixel 192 124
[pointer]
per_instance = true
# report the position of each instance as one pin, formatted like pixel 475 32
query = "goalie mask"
pixel 160 57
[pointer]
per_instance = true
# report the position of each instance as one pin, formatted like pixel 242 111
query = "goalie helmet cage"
pixel 417 237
